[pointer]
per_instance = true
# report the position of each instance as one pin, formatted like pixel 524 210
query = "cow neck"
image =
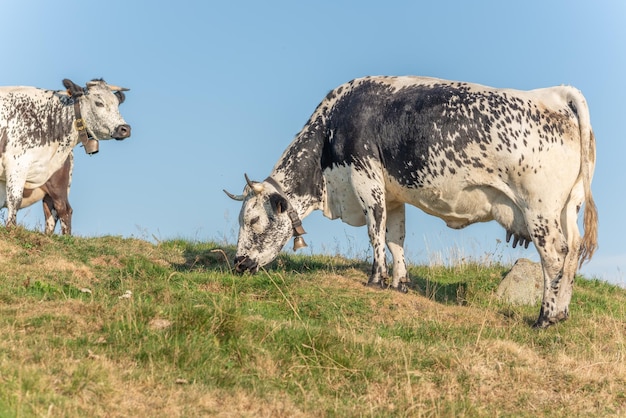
pixel 89 143
pixel 296 222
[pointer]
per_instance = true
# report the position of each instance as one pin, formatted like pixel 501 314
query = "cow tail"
pixel 588 158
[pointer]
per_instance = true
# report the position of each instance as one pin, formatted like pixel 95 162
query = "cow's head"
pixel 99 106
pixel 266 222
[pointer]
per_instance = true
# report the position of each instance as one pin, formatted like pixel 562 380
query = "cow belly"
pixel 457 208
pixel 341 201
pixel 32 196
pixel 35 166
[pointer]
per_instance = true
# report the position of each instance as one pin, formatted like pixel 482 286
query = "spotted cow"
pixel 463 152
pixel 39 129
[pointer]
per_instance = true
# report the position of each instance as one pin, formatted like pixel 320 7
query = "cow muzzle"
pixel 121 132
pixel 244 263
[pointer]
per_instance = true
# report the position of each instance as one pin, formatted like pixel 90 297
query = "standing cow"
pixel 463 152
pixel 39 129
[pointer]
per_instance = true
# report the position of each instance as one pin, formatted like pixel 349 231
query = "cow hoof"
pixel 545 321
pixel 402 288
pixel 377 285
pixel 384 285
pixel 541 324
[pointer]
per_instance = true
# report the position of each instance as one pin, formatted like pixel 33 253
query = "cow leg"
pixel 3 194
pixel 395 242
pixel 572 234
pixel 66 219
pixel 56 209
pixel 14 193
pixel 564 293
pixel 376 215
pixel 368 187
pixel 50 213
pixel 550 242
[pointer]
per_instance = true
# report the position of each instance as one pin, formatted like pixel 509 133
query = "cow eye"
pixel 99 104
pixel 254 220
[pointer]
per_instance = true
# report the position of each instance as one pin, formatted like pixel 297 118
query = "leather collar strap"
pixel 293 216
pixel 83 135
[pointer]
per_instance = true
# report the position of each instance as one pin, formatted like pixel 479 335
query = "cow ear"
pixel 120 96
pixel 279 203
pixel 74 89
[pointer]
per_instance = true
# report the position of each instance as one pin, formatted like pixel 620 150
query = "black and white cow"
pixel 39 129
pixel 463 152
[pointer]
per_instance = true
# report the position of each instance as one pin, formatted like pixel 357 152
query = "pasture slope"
pixel 115 327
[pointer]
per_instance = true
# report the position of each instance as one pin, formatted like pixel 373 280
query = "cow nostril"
pixel 122 131
pixel 244 263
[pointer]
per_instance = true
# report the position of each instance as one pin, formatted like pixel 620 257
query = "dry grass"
pixel 304 338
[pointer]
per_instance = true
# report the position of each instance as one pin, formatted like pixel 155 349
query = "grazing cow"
pixel 54 195
pixel 39 129
pixel 463 152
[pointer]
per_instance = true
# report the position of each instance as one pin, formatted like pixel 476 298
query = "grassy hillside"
pixel 120 327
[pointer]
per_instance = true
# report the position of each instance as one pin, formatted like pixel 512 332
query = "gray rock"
pixel 523 285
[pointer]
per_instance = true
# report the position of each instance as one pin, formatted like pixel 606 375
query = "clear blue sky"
pixel 221 88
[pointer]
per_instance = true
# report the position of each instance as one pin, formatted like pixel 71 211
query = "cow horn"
pixel 248 181
pixel 257 187
pixel 238 197
pixel 117 88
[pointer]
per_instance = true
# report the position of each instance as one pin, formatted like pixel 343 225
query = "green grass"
pixel 120 327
